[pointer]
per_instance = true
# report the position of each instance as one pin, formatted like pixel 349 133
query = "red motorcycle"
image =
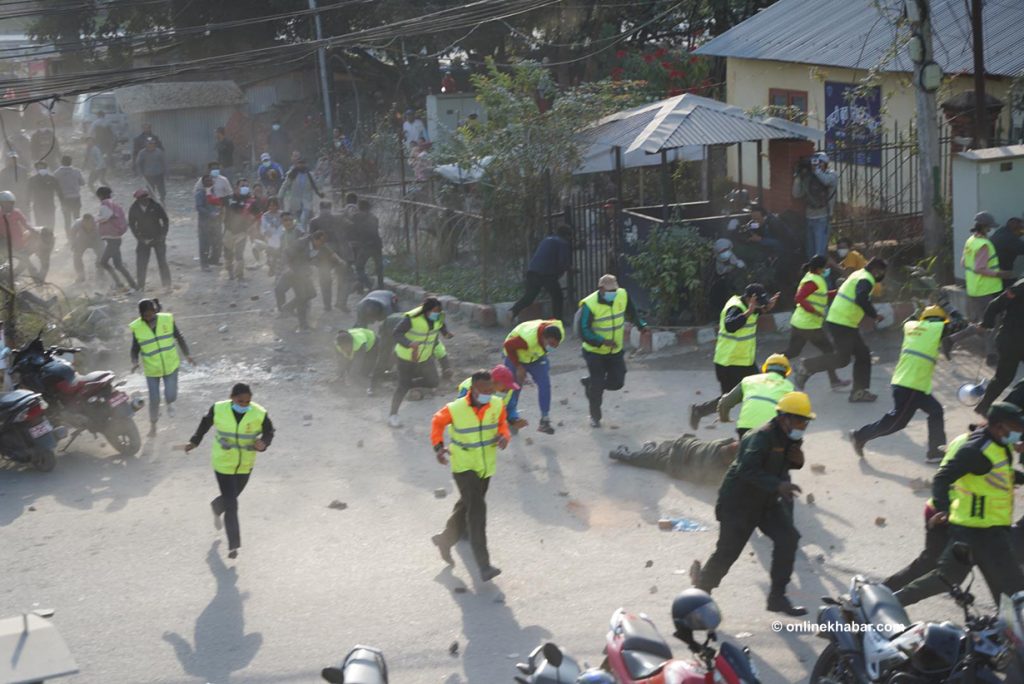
pixel 637 654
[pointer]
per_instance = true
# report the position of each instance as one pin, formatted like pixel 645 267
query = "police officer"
pixel 736 346
pixel 358 354
pixel 973 493
pixel 603 316
pixel 912 384
pixel 153 336
pixel 757 494
pixel 759 395
pixel 417 343
pixel 852 303
pixel 1009 304
pixel 477 427
pixel 526 352
pixel 243 428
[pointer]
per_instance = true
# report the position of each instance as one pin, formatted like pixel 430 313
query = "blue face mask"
pixel 1012 438
pixel 434 315
pixel 239 409
pixel 215 172
pixel 826 273
pixel 483 398
pixel 609 297
pixel 795 435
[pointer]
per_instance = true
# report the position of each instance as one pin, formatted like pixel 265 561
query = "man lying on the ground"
pixel 687 458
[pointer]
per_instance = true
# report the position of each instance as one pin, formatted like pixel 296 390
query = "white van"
pixel 89 105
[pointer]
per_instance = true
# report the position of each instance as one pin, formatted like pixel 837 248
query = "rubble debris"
pixel 453 648
pixel 810 499
pixel 440 493
pixel 880 521
pixel 338 505
pixel 818 468
pixel 649 564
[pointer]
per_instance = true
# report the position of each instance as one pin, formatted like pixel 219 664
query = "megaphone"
pixel 970 394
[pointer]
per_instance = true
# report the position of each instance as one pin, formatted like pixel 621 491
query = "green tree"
pixel 673 266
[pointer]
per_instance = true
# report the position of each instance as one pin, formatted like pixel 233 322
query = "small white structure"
pixel 445 113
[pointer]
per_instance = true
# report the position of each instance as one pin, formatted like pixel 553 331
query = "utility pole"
pixel 321 56
pixel 980 108
pixel 925 84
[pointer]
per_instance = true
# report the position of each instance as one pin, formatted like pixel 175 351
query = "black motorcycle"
pixel 90 402
pixel 26 435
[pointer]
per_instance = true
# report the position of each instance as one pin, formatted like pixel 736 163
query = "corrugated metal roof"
pixel 857 35
pixel 161 97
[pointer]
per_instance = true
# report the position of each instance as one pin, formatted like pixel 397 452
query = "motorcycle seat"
pixel 642 665
pixel 880 607
pixel 640 635
pixel 13 399
pixel 91 380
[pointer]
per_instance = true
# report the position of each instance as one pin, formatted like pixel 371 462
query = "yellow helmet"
pixel 796 404
pixel 934 311
pixel 777 361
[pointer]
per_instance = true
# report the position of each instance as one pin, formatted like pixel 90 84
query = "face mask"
pixel 842 251
pixel 795 435
pixel 608 297
pixel 266 163
pixel 549 349
pixel 244 190
pixel 1011 438
pixel 434 315
pixel 725 256
pixel 826 273
pixel 239 409
pixel 215 173
pixel 276 127
pixel 483 398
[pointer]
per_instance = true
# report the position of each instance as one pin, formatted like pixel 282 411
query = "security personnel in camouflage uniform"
pixel 912 384
pixel 757 494
pixel 759 395
pixel 973 493
pixel 687 458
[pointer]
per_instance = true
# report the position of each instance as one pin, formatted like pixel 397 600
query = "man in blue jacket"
pixel 549 262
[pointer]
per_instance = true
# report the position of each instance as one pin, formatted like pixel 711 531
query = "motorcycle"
pixel 90 402
pixel 636 653
pixel 362 665
pixel 904 652
pixel 548 665
pixel 26 435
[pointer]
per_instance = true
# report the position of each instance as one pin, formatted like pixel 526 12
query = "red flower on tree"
pixel 617 73
pixel 649 58
pixel 666 66
pixel 660 52
pixel 694 59
pixel 621 54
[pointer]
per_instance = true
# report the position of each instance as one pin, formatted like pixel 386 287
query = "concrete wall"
pixel 748 83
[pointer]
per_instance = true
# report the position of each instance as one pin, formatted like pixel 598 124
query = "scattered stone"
pixel 920 483
pixel 743 635
pixel 440 493
pixel 564 402
pixel 698 392
pixel 653 590
pixel 528 441
pixel 512 656
pixel 649 564
pixel 820 558
pixel 810 499
pixel 232 305
pixel 255 298
pixel 613 427
pixel 500 598
pixel 818 468
pixel 308 416
pixel 359 444
pixel 560 424
pixel 223 328
pixel 31 508
pixel 459 590
pixel 338 505
pixel 880 521
pixel 665 525
pixel 453 649
pixel 563 493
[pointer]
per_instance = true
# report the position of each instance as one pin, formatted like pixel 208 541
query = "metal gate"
pixel 596 244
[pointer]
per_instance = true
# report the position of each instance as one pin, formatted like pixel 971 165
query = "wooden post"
pixel 760 174
pixel 739 164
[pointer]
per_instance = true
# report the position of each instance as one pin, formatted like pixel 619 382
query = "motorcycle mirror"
pixel 962 553
pixel 552 654
pixel 333 675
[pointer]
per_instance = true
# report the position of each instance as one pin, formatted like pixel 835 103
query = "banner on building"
pixel 853 123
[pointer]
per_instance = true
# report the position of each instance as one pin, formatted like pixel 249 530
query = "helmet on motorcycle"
pixel 694 609
pixel 595 676
pixel 7 196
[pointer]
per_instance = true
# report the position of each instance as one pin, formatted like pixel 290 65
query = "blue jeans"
pixel 170 393
pixel 817 236
pixel 539 372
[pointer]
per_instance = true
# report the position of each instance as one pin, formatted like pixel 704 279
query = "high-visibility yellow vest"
pixel 761 393
pixel 736 348
pixel 529 332
pixel 805 320
pixel 845 310
pixel 918 355
pixel 982 500
pixel 422 333
pixel 466 386
pixel 361 337
pixel 607 320
pixel 474 441
pixel 234 444
pixel 156 345
pixel 979 285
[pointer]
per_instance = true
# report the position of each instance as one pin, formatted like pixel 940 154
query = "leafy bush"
pixel 672 267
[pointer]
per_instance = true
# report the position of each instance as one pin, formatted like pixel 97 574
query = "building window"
pixel 788 104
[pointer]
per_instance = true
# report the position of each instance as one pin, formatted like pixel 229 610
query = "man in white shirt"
pixel 414 129
pixel 221 185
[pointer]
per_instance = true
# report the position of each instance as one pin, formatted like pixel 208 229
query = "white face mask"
pixel 725 256
pixel 842 251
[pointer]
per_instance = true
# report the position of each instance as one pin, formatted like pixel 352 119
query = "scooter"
pixel 90 402
pixel 636 653
pixel 548 665
pixel 362 665
pixel 26 435
pixel 872 640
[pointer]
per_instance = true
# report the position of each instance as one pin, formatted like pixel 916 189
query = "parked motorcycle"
pixel 637 654
pixel 90 402
pixel 26 435
pixel 900 651
pixel 548 665
pixel 362 665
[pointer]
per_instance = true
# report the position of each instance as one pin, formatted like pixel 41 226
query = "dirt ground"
pixel 126 554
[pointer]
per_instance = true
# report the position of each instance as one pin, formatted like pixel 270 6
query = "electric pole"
pixel 321 56
pixel 980 105
pixel 926 81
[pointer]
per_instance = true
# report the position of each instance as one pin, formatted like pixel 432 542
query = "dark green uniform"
pixel 686 458
pixel 749 499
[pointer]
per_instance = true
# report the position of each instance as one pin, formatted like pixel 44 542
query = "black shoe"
pixel 489 573
pixel 778 603
pixel 621 453
pixel 935 455
pixel 444 548
pixel 858 445
pixel 233 553
pixel 595 422
pixel 694 417
pixel 545 427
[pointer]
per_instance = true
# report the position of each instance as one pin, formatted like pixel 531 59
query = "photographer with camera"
pixel 814 183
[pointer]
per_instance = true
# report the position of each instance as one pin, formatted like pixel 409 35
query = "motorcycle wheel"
pixel 123 435
pixel 44 460
pixel 830 668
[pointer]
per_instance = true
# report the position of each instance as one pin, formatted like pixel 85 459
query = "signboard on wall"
pixel 853 123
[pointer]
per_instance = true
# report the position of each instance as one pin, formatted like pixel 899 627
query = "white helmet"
pixel 7 196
